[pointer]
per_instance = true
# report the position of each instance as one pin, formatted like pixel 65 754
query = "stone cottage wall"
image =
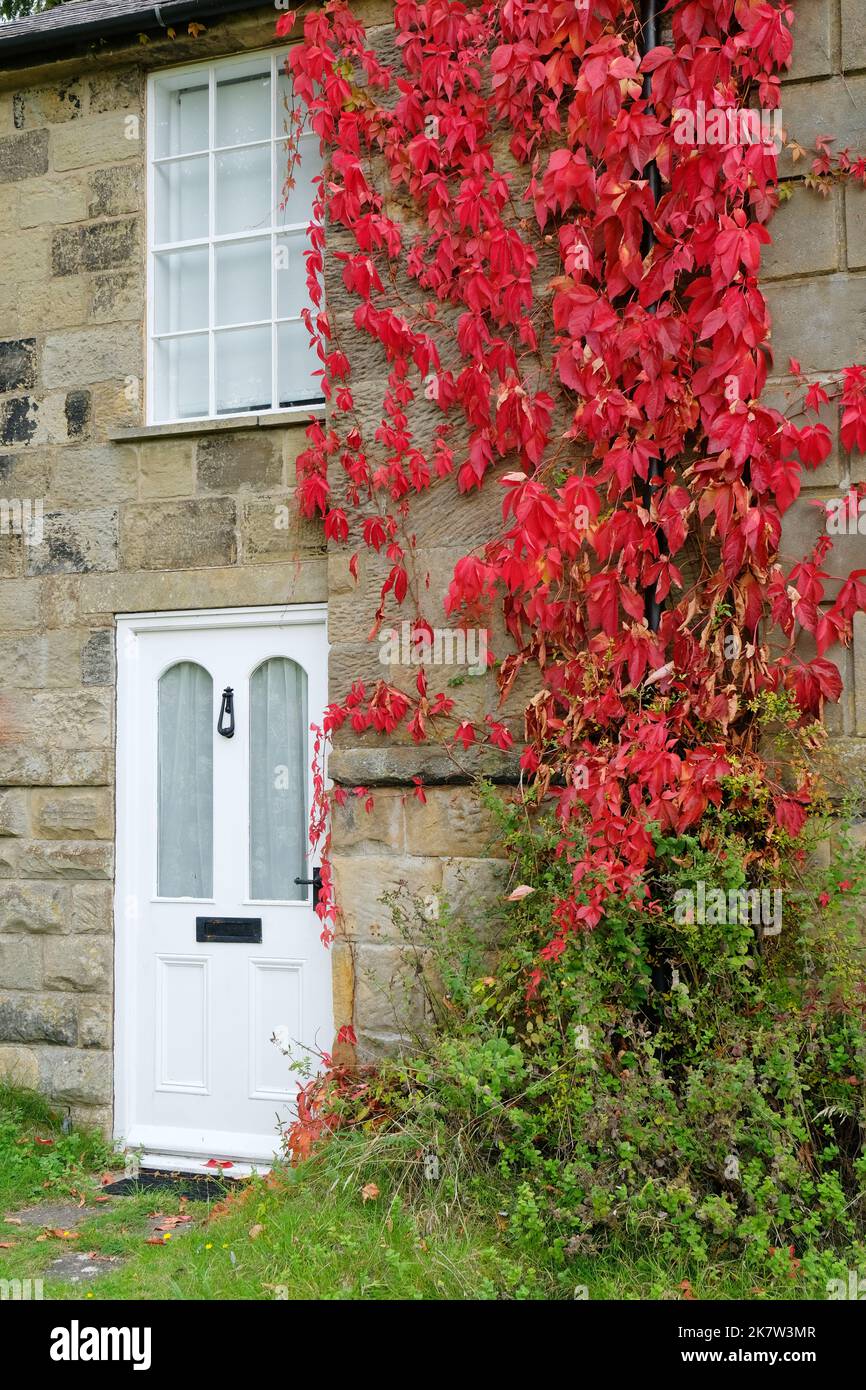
pixel 134 520
pixel 139 519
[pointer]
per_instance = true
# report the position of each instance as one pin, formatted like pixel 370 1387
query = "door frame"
pixel 129 626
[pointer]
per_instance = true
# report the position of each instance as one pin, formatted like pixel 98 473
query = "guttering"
pixel 53 31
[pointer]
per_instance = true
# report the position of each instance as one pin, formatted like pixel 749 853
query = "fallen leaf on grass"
pixel 255 1231
pixel 102 1199
pixel 13 1221
pixel 46 1143
pixel 523 891
pixel 168 1223
pixel 7 1245
pixel 688 1291
pixel 369 1192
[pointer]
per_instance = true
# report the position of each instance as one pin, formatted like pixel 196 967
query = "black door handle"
pixel 227 709
pixel 316 881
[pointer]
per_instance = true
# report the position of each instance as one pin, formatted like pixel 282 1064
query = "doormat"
pixel 196 1187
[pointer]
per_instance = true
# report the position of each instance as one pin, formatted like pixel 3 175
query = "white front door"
pixel 220 966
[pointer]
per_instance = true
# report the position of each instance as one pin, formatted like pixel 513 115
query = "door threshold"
pixel 189 1163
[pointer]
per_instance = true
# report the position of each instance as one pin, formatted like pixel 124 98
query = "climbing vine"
pixel 548 254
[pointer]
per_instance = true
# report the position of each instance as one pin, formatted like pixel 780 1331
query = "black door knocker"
pixel 227 708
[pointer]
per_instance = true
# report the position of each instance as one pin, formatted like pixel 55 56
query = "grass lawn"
pixel 306 1233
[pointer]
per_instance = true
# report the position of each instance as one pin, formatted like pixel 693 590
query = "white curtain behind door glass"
pixel 185 783
pixel 278 780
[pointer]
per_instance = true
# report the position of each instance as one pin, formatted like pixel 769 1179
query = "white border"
pixel 210 65
pixel 128 717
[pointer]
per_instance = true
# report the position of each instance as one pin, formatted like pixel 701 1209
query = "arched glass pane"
pixel 278 780
pixel 185 783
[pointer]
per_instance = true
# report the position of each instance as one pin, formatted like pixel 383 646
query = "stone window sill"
pixel 300 415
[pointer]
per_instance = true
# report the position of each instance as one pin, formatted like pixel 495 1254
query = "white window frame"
pixel 214 67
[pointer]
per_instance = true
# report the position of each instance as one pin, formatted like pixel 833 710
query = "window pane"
pixel 181 200
pixel 243 281
pixel 181 117
pixel 291 275
pixel 296 362
pixel 278 780
pixel 181 290
pixel 298 200
pixel 243 190
pixel 243 108
pixel 243 369
pixel 181 371
pixel 185 783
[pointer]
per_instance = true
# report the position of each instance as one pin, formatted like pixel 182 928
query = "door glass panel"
pixel 185 783
pixel 278 780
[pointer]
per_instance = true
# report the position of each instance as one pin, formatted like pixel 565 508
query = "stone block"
pixel 165 468
pixel 20 963
pixel 853 36
pixel 18 420
pixel 13 812
pixel 18 364
pixel 23 156
pixel 94 475
pixel 96 1023
pixel 368 889
pixel 77 963
pixel 92 908
pixel 802 524
pixel 389 994
pixel 97 658
pixel 72 813
pixel 825 106
pixel 273 531
pixel 52 202
pixel 34 907
pixel 356 830
pixel 37 1018
pixel 82 356
pixel 60 859
pixel 68 1074
pixel 76 542
pixel 855 226
pixel 19 1066
pixel 179 535
pixel 805 237
pixel 474 891
pixel 51 105
pixel 77 408
pixel 116 90
pixel 95 246
pixel 451 817
pixel 114 191
pixel 101 139
pixel 59 721
pixel 41 661
pixel 830 310
pixel 814 46
pixel 231 462
pixel 19 604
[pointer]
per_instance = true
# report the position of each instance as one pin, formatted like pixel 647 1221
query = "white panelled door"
pixel 220 966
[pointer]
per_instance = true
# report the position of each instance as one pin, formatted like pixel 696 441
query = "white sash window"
pixel 226 242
